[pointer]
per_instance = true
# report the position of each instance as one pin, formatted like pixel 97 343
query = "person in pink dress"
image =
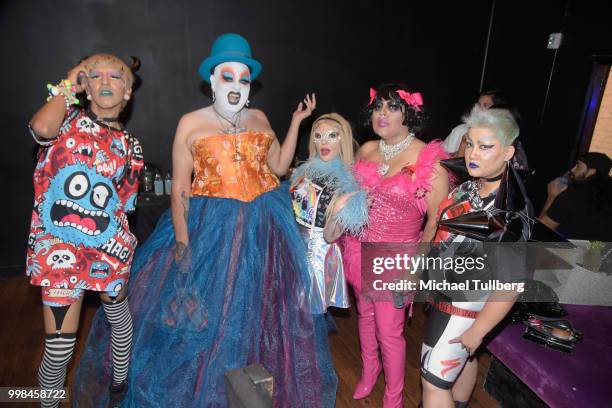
pixel 405 184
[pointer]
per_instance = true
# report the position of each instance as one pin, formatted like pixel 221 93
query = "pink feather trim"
pixel 411 177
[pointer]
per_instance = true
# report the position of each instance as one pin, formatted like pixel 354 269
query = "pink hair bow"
pixel 372 96
pixel 413 99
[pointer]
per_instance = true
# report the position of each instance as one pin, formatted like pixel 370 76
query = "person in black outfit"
pixel 582 208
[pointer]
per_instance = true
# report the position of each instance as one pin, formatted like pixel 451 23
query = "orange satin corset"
pixel 232 166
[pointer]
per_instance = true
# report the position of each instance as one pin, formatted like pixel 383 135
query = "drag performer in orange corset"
pixel 85 181
pixel 223 281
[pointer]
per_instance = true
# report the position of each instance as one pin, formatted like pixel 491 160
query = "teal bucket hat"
pixel 229 47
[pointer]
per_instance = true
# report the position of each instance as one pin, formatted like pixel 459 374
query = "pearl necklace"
pixel 390 151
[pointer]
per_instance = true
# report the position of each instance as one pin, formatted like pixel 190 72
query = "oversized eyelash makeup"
pixel 228 75
pixel 245 77
pixel 470 145
pixel 114 75
pixel 391 106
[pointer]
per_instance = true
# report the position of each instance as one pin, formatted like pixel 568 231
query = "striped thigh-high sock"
pixel 118 315
pixel 52 370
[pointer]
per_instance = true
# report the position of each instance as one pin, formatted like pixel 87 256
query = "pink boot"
pixel 369 349
pixel 390 333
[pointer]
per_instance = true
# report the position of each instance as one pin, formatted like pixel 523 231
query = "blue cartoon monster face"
pixel 79 206
pixel 99 270
pixel 118 147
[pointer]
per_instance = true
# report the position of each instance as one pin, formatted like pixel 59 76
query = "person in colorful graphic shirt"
pixel 326 201
pixel 85 182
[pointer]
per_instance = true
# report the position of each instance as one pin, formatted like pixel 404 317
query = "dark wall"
pixel 547 86
pixel 335 48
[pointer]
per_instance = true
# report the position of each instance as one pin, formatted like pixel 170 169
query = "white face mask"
pixel 231 84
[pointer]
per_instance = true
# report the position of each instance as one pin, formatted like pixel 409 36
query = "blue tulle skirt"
pixel 238 297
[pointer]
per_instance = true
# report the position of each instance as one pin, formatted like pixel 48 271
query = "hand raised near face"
pixel 305 108
pixel 79 70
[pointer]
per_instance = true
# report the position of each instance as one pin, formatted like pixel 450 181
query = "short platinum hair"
pixel 500 121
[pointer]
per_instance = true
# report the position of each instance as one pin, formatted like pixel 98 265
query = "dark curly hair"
pixel 496 95
pixel 599 188
pixel 413 119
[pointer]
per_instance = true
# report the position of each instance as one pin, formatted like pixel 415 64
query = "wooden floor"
pixel 22 338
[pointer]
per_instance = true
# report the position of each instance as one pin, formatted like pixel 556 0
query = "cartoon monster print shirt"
pixel 85 181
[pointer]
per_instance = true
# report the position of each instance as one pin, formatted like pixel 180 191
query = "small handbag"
pixel 557 334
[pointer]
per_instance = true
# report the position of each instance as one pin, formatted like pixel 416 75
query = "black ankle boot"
pixel 117 394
